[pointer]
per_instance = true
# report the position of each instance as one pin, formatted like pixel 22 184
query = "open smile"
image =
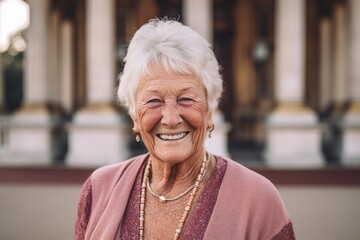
pixel 171 137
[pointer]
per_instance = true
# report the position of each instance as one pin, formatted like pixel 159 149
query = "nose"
pixel 170 114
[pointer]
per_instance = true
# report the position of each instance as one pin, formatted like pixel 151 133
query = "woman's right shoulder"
pixel 112 172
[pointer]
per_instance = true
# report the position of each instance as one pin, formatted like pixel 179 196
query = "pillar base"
pixel 293 137
pixel 98 136
pixel 29 137
pixel 350 154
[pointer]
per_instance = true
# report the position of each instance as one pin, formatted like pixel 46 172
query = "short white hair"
pixel 177 48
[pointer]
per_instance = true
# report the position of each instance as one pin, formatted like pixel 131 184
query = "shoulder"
pixel 247 180
pixel 252 201
pixel 113 172
pixel 256 193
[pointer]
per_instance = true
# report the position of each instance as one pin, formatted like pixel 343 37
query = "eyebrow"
pixel 187 88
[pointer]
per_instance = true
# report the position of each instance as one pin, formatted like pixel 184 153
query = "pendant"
pixel 162 199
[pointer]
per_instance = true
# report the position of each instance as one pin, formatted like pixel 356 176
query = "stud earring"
pixel 210 129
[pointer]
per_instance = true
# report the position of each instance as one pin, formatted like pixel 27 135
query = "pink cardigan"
pixel 248 205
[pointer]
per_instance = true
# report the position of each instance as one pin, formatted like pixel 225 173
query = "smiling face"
pixel 172 115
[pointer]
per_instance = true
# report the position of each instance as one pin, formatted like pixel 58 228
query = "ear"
pixel 136 127
pixel 209 119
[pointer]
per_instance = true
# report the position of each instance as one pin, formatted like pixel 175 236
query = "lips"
pixel 169 137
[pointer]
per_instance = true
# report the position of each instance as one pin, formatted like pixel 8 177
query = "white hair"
pixel 177 48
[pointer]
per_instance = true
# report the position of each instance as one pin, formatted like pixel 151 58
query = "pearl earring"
pixel 137 136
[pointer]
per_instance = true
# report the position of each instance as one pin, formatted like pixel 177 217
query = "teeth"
pixel 172 137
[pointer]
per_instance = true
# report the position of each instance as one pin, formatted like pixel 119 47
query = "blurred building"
pixel 292 87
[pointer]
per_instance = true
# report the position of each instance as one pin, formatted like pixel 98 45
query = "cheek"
pixel 197 119
pixel 196 116
pixel 148 118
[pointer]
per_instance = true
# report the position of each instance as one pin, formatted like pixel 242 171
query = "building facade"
pixel 292 87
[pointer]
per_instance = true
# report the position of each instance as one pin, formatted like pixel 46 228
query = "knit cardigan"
pixel 248 205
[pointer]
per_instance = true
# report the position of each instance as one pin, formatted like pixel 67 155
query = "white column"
pixel 325 54
pixel 199 16
pixel 293 137
pixel 30 132
pixel 354 91
pixel 98 134
pixel 290 50
pixel 351 123
pixel 100 49
pixel 339 59
pixel 66 66
pixel 36 55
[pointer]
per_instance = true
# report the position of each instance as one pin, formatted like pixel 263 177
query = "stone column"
pixel 351 121
pixel 293 136
pixel 31 127
pixel 98 134
pixel 66 66
pixel 199 16
pixel 325 53
pixel 339 59
pixel 37 60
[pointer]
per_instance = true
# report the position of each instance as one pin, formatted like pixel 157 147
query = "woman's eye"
pixel 185 101
pixel 154 102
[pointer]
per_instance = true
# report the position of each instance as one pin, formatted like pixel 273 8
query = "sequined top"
pixel 236 203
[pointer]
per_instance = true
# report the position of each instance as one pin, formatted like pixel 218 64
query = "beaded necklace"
pixel 199 179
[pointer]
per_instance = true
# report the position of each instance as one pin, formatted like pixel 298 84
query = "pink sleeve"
pixel 83 210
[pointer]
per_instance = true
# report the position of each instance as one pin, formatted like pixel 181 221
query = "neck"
pixel 169 179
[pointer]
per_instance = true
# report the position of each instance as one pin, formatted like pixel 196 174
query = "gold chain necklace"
pixel 188 205
pixel 164 199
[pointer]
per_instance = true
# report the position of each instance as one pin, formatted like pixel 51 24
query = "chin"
pixel 172 157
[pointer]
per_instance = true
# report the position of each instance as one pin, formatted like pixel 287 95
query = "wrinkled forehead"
pixel 157 69
pixel 160 75
pixel 158 72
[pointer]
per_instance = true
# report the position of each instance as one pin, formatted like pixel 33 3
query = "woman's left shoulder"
pixel 243 174
pixel 258 203
pixel 248 181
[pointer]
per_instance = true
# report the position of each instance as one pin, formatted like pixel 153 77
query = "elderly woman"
pixel 171 86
